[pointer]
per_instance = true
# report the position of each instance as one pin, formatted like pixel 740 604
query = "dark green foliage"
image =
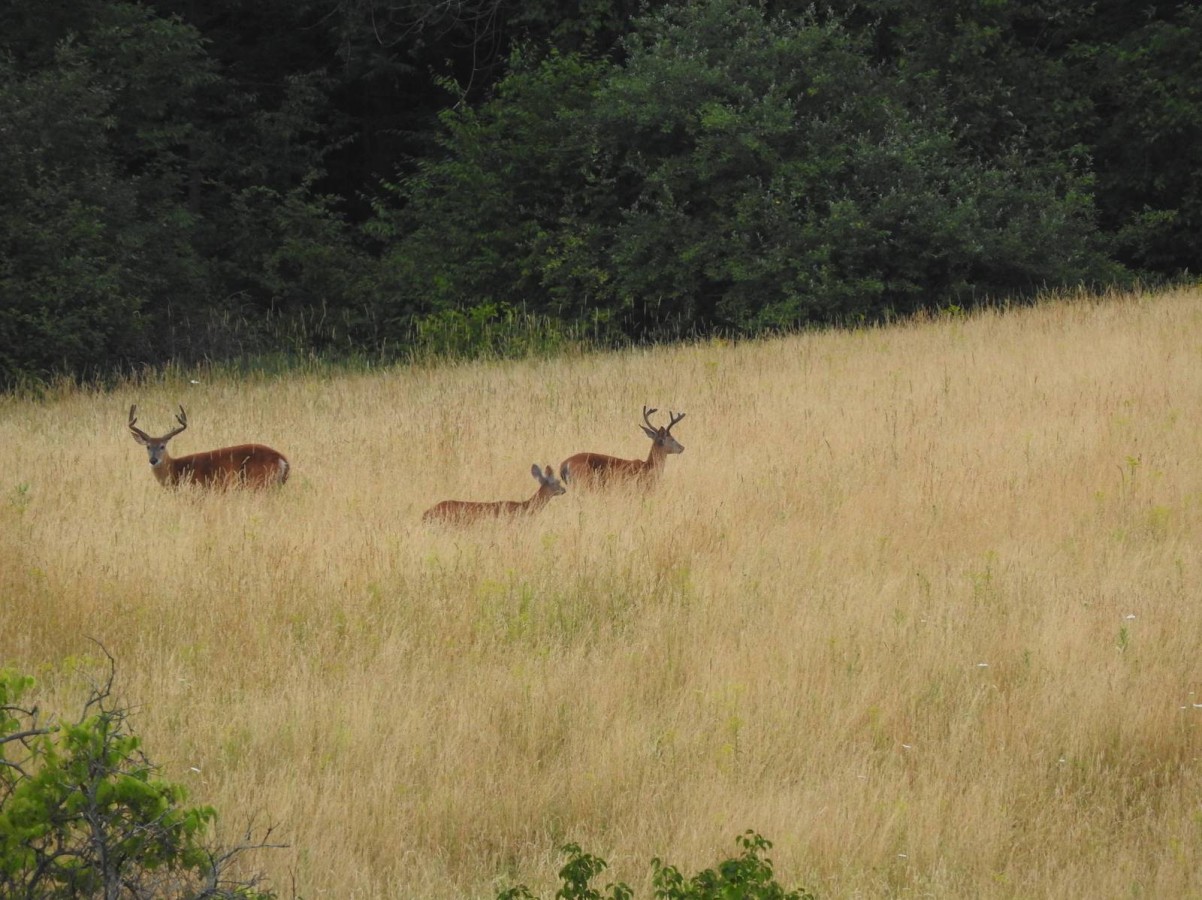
pixel 1148 145
pixel 66 302
pixel 83 813
pixel 470 231
pixel 787 181
pixel 149 197
pixel 94 234
pixel 747 876
pixel 1110 85
pixel 737 172
pixel 221 181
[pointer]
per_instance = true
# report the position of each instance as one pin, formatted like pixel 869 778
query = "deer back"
pixel 590 469
pixel 250 465
pixel 464 511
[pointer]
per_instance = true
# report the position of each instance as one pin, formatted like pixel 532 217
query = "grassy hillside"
pixel 919 604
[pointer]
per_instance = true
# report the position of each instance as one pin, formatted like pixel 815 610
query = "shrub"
pixel 747 876
pixel 83 813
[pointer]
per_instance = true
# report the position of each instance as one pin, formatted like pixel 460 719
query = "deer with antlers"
pixel 598 469
pixel 251 465
pixel 464 511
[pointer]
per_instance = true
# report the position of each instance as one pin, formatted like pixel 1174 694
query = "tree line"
pixel 188 181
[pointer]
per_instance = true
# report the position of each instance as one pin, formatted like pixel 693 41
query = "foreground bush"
pixel 82 814
pixel 747 876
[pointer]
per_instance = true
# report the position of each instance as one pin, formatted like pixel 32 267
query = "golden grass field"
pixel 920 604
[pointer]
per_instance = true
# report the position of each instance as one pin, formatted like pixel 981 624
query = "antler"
pixel 182 418
pixel 671 415
pixel 133 420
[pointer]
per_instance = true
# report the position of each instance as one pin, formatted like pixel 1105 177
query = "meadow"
pixel 920 604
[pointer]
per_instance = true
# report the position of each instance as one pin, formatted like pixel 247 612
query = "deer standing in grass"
pixel 252 465
pixel 597 469
pixel 464 511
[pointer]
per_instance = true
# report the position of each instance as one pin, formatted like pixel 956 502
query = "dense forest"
pixel 209 181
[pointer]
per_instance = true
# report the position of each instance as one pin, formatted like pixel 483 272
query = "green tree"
pixel 156 207
pixel 468 227
pixel 736 171
pixel 83 813
pixel 1112 86
pixel 69 300
pixel 1146 84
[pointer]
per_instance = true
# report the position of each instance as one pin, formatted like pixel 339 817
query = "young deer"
pixel 463 511
pixel 597 469
pixel 251 465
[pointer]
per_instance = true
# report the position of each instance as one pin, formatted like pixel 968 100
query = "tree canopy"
pixel 205 181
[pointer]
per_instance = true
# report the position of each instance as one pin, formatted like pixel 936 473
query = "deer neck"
pixel 655 459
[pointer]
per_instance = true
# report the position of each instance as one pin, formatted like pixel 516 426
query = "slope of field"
pixel 918 604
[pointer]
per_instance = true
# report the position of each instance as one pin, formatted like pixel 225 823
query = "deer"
pixel 597 469
pixel 464 511
pixel 250 465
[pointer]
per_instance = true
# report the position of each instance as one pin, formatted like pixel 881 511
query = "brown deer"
pixel 251 465
pixel 597 469
pixel 464 511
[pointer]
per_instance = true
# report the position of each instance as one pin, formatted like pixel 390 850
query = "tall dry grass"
pixel 919 604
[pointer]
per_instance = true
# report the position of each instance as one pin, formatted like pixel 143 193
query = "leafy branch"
pixel 84 813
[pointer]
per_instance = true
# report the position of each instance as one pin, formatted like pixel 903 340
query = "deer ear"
pixel 536 472
pixel 141 440
pixel 650 432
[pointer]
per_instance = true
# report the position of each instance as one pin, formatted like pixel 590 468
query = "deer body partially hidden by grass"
pixel 250 465
pixel 598 469
pixel 464 511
